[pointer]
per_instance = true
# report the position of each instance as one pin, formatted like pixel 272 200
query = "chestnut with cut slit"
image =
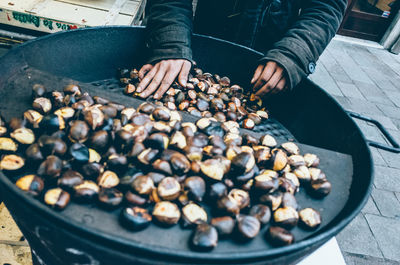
pixel 135 218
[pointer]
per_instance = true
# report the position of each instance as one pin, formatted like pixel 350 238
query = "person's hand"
pixel 160 76
pixel 269 78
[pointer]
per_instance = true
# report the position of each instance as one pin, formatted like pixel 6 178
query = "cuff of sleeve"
pixel 157 55
pixel 171 42
pixel 294 72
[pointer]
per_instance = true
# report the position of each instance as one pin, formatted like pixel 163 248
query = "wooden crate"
pixel 57 15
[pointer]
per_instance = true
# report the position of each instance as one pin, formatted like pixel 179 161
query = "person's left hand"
pixel 269 78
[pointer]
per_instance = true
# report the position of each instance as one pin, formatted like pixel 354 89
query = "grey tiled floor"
pixel 367 80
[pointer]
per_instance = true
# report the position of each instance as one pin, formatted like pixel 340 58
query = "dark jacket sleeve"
pixel 169 29
pixel 303 43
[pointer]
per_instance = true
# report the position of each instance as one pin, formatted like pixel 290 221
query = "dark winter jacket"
pixel 292 33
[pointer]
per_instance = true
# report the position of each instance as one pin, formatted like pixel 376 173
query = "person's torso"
pixel 253 23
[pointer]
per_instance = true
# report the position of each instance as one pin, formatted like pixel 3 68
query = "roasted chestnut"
pixel 296 160
pixel 205 237
pixel 135 218
pixel 86 191
pixel 229 205
pixel 79 131
pixel 213 169
pixel 73 90
pixel 268 140
pixel 7 145
pixel 311 160
pixel 94 117
pixel 108 179
pixel 278 160
pixel 79 153
pixel 290 148
pixel 288 200
pixel 248 226
pixel 166 213
pixel 31 183
pixel 158 141
pixel 143 184
pixel 193 214
pixel 51 167
pixel 224 225
pixel 32 153
pixel 320 188
pixel 241 197
pixel 161 114
pixel 274 200
pixel 303 174
pixel 310 218
pixel 69 179
pixel 33 117
pixel 261 212
pixel 110 198
pixel 38 90
pixel 57 198
pixel 134 199
pixel 243 163
pixel 279 236
pixel 196 188
pixel 267 181
pixel 52 123
pixel 43 105
pixel 169 189
pixel 148 156
pixel 53 146
pixel 286 217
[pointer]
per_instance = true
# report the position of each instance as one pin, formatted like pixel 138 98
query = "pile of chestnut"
pixel 206 95
pixel 158 168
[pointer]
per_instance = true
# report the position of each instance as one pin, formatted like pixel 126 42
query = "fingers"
pixel 155 82
pixel 280 86
pixel 272 82
pixel 257 73
pixel 147 78
pixel 167 82
pixel 266 75
pixel 145 68
pixel 184 73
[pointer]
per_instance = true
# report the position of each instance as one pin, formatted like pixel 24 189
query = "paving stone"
pixel 357 238
pixel 350 90
pixel 353 70
pixel 377 157
pixel 391 159
pixel 333 68
pixel 387 203
pixel 387 178
pixel 397 195
pixel 8 229
pixel 15 255
pixel 393 96
pixel 363 106
pixel 371 132
pixel 387 58
pixel 395 134
pixel 390 111
pixel 322 78
pixel 385 121
pixel 396 122
pixel 370 207
pixel 386 231
pixel 355 259
pixel 373 93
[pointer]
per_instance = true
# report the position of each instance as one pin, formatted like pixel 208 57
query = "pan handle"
pixel 395 148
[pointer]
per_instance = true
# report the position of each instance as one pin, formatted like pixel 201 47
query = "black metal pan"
pixel 84 235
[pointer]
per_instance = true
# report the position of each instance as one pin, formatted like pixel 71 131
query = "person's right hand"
pixel 161 76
